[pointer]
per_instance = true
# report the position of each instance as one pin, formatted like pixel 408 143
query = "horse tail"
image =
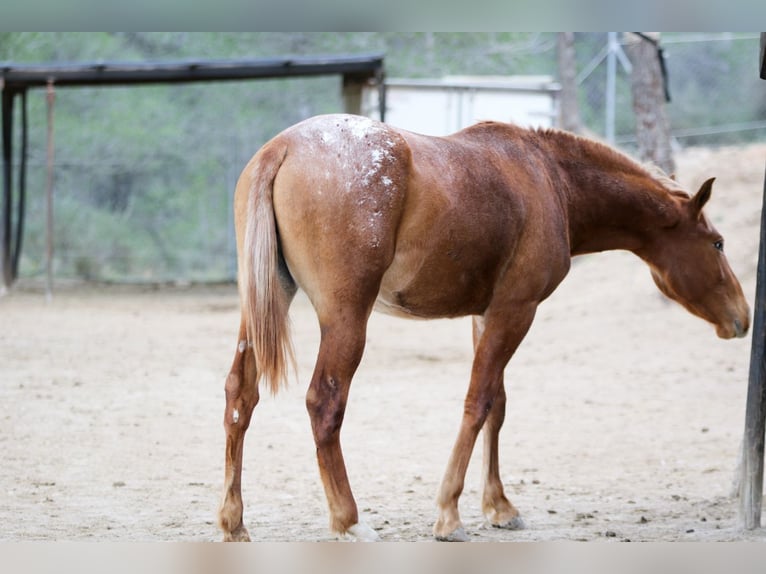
pixel 265 285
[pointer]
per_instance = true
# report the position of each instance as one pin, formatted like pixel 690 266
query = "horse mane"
pixel 649 168
pixel 578 147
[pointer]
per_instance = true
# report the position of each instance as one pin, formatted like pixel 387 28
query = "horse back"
pixel 427 225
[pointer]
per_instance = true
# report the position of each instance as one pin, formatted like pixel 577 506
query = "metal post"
pixel 21 206
pixel 50 98
pixel 751 481
pixel 611 83
pixel 231 235
pixel 5 221
pixel 380 78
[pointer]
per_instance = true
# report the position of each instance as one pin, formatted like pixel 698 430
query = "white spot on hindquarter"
pixel 242 346
pixel 360 127
pixel 235 416
pixel 358 159
pixel 328 137
pixel 370 170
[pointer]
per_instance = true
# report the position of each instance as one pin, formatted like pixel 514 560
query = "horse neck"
pixel 613 202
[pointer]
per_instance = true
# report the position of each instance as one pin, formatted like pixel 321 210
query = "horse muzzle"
pixel 736 328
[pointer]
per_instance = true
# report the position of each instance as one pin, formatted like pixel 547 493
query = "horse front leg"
pixel 497 342
pixel 241 398
pixel 496 507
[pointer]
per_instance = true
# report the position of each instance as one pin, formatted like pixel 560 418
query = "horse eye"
pixel 718 245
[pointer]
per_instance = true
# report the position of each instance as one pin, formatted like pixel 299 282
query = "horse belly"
pixel 437 285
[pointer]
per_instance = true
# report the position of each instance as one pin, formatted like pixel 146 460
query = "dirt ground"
pixel 624 422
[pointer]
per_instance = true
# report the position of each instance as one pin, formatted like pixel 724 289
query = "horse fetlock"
pixel 343 514
pixel 449 528
pixel 495 505
pixel 230 518
pixel 239 534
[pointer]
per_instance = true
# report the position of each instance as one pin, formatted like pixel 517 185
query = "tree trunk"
pixel 652 125
pixel 569 109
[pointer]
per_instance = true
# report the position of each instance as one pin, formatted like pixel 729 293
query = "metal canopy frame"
pixel 17 78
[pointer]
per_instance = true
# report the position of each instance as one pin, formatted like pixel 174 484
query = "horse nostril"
pixel 739 329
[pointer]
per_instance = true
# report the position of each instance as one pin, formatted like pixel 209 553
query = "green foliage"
pixel 145 175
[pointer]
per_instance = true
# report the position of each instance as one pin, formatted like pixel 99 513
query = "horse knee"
pixel 476 412
pixel 485 405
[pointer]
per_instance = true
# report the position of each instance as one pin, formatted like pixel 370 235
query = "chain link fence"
pixel 161 211
pixel 138 202
pixel 716 94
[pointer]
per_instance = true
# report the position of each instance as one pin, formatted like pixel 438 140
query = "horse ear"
pixel 702 197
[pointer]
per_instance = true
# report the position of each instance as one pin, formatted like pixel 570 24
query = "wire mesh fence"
pixel 716 96
pixel 120 223
pixel 137 200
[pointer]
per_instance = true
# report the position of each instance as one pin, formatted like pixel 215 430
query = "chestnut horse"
pixel 484 222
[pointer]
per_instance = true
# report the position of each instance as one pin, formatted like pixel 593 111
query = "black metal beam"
pixel 20 76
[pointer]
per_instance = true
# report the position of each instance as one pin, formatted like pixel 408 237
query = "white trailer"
pixel 443 106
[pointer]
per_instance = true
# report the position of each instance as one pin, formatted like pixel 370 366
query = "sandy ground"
pixel 624 420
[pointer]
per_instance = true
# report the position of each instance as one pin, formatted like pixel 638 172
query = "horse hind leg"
pixel 241 397
pixel 340 351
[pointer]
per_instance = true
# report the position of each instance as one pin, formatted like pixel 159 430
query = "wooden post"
pixel 353 89
pixel 751 481
pixel 50 98
pixel 569 108
pixel 649 98
pixel 352 95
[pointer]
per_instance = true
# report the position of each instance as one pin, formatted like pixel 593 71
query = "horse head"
pixel 689 265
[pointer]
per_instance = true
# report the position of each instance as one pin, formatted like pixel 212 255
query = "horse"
pixel 484 222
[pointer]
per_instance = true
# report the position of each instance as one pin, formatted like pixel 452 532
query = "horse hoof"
pixel 457 535
pixel 515 523
pixel 363 533
pixel 239 534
